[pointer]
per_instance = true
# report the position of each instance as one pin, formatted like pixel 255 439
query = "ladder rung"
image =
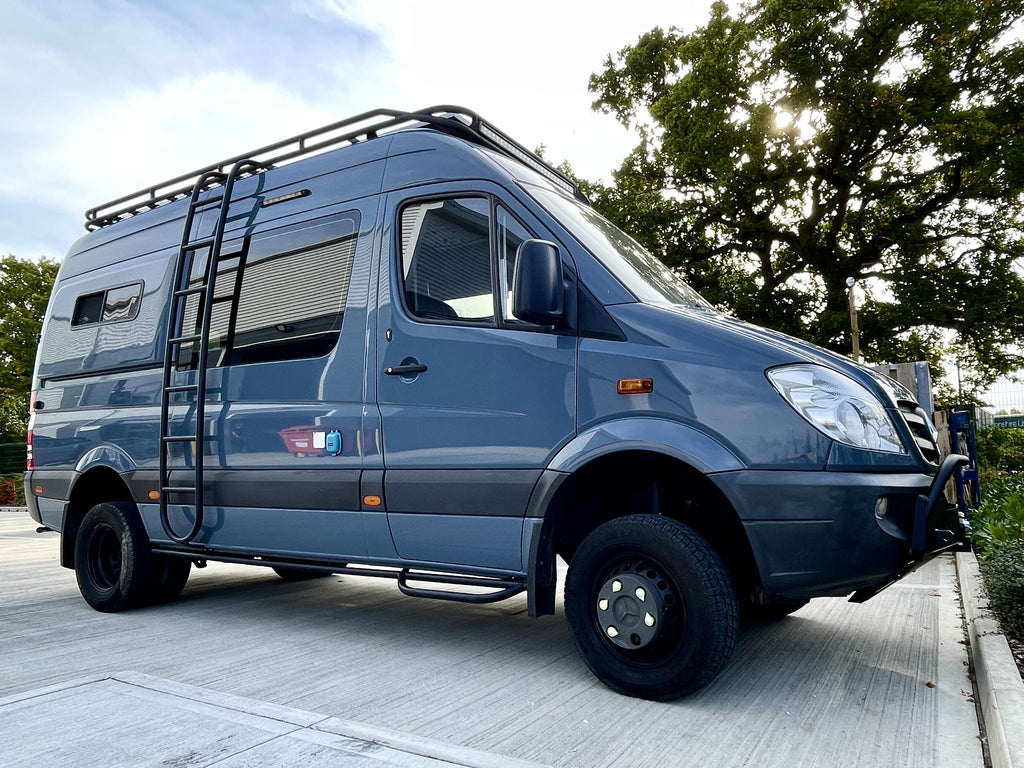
pixel 179 438
pixel 183 339
pixel 177 489
pixel 209 201
pixel 195 245
pixel 189 291
pixel 182 388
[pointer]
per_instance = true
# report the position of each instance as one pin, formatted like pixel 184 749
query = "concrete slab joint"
pixel 149 720
pixel 1000 689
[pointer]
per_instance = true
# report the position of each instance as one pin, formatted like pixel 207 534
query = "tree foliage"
pixel 24 291
pixel 797 143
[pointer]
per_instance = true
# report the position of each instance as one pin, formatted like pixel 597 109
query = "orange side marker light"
pixel 635 386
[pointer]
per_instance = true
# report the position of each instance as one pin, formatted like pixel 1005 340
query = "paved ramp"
pixel 131 719
pixel 839 685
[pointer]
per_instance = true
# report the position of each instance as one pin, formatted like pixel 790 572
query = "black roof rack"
pixel 453 120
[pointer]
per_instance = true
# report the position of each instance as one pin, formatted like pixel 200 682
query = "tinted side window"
pixel 111 305
pixel 446 260
pixel 88 309
pixel 282 295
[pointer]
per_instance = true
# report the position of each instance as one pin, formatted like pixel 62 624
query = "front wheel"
pixel 651 607
pixel 113 563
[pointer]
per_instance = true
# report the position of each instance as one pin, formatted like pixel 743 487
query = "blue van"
pixel 403 345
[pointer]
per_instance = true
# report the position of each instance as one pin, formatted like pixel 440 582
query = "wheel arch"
pixel 97 484
pixel 630 479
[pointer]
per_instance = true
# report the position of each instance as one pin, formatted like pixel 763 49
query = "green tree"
pixel 798 143
pixel 24 291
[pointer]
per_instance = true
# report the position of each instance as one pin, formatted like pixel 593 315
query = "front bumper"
pixel 936 528
pixel 828 533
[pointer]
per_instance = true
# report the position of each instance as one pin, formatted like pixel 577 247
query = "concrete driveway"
pixel 880 684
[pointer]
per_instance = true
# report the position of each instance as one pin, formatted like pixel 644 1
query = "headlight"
pixel 838 406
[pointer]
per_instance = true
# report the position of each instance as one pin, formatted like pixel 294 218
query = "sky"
pixel 103 97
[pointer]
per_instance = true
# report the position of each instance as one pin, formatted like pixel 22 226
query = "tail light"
pixel 30 459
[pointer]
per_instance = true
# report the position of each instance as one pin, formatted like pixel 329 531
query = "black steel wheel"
pixel 651 607
pixel 113 563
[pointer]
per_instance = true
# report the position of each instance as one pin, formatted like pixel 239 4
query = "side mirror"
pixel 538 293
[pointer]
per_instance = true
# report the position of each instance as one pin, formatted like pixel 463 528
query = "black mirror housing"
pixel 538 290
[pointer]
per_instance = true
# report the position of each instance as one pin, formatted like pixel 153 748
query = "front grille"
pixel 917 420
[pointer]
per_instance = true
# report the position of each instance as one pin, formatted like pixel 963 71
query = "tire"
pixel 651 607
pixel 300 574
pixel 170 574
pixel 113 563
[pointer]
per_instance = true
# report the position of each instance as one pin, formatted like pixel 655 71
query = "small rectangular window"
pixel 88 310
pixel 122 303
pixel 110 306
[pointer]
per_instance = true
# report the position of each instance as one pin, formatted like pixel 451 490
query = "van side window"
pixel 111 305
pixel 510 235
pixel 122 303
pixel 446 260
pixel 281 295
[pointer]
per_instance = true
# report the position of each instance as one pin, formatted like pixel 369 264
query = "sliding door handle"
pixel 405 370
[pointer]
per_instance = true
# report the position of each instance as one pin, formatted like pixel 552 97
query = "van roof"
pixel 449 119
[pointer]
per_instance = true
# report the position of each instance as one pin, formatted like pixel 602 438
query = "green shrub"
pixel 1000 518
pixel 1002 567
pixel 1001 449
pixel 999 539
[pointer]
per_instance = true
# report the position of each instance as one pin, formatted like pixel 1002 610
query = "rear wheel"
pixel 170 574
pixel 651 607
pixel 113 563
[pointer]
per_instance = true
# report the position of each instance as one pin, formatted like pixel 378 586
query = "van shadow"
pixel 828 655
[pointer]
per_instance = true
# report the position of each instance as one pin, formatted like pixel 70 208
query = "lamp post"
pixel 854 330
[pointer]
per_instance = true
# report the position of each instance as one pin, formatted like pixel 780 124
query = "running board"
pixel 502 587
pixel 505 587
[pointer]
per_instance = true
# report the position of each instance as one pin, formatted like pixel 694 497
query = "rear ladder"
pixel 179 337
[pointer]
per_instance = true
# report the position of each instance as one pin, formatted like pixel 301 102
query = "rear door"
pixel 473 401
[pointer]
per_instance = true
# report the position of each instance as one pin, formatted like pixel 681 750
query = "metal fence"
pixel 12 458
pixel 1005 401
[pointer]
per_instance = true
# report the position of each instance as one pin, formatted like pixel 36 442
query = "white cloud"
pixel 117 96
pixel 145 136
pixel 525 68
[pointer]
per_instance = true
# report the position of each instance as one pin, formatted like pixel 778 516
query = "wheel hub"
pixel 631 608
pixel 105 557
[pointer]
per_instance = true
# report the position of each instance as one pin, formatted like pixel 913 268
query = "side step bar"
pixel 502 587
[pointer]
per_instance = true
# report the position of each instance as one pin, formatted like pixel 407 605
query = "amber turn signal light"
pixel 635 386
pixel 372 501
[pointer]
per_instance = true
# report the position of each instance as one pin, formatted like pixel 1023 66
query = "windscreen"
pixel 643 274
